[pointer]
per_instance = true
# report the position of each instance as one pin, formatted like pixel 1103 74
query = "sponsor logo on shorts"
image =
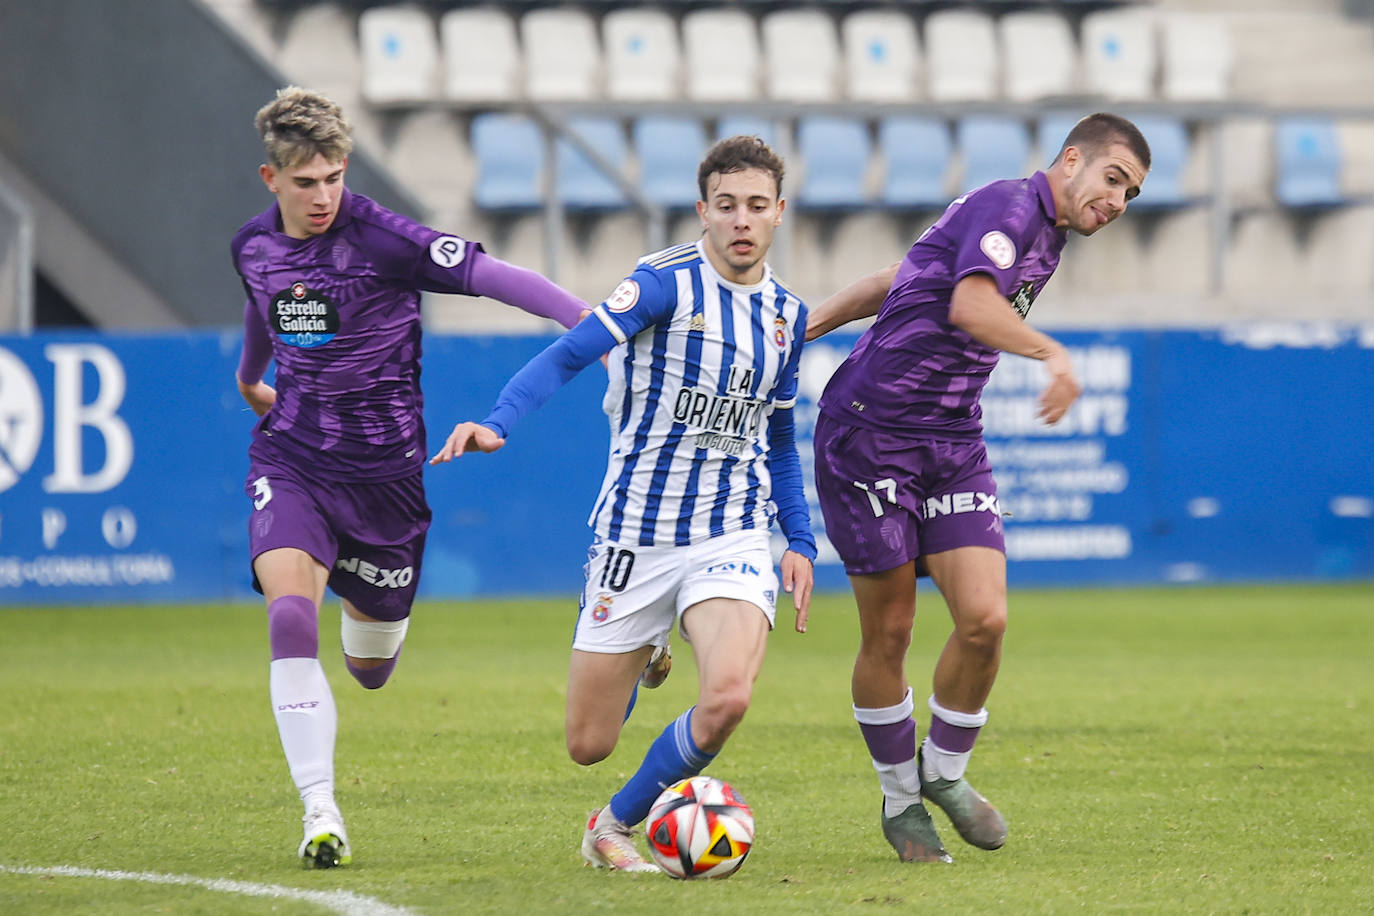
pixel 375 575
pixel 959 503
pixel 303 317
pixel 744 569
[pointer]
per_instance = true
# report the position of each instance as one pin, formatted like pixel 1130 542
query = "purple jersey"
pixel 342 312
pixel 913 372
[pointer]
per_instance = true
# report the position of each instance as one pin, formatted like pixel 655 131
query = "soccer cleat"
pixel 656 672
pixel 611 845
pixel 325 844
pixel 978 822
pixel 913 835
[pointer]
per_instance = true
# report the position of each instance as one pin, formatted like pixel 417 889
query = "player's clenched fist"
pixel 468 437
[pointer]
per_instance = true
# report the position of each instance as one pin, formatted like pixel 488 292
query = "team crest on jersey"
pixel 780 332
pixel 448 251
pixel 602 609
pixel 624 297
pixel 303 317
pixel 1022 299
pixel 999 249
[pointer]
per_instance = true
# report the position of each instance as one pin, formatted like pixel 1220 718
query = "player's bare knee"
pixel 720 711
pixel 589 749
pixel 982 631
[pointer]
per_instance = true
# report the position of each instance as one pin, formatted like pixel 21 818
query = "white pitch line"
pixel 344 902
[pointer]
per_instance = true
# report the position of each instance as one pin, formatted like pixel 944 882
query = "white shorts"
pixel 633 594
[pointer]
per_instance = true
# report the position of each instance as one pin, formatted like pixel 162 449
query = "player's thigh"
pixel 599 688
pixel 973 581
pixel 886 603
pixel 290 571
pixel 729 640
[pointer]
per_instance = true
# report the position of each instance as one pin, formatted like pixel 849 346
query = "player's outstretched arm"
pixel 468 437
pixel 979 309
pixel 860 299
pixel 798 578
pixel 526 289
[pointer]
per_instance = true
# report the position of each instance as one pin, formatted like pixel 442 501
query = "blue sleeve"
pixel 784 465
pixel 537 381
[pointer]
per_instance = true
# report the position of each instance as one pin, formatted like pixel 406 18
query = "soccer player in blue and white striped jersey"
pixel 704 345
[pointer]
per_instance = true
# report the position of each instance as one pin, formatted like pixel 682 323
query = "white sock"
pixel 307 722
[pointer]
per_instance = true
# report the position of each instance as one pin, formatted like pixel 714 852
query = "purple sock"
pixel 293 628
pixel 372 678
pixel 953 739
pixel 894 743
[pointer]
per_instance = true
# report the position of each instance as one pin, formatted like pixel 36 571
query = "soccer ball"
pixel 700 828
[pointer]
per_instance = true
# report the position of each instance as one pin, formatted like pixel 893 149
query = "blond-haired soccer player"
pixel 333 284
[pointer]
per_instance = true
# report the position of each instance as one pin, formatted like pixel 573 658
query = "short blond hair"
pixel 300 123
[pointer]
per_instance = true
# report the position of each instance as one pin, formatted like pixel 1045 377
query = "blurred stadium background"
pixel 1225 327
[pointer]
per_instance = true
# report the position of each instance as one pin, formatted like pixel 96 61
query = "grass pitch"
pixel 1202 750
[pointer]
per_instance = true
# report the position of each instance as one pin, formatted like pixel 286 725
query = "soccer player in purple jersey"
pixel 333 283
pixel 902 473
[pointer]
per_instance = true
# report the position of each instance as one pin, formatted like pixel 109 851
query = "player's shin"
pixel 672 757
pixel 301 700
pixel 379 640
pixel 890 733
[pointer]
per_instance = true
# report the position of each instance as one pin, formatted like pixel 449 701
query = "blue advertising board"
pixel 1232 454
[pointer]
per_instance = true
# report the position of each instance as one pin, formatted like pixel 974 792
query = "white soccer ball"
pixel 700 828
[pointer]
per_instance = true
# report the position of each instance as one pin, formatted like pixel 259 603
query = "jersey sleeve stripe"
pixel 610 324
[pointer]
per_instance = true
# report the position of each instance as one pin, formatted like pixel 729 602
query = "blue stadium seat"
pixel 1169 152
pixel 1308 163
pixel 917 152
pixel 992 148
pixel 669 151
pixel 581 185
pixel 509 150
pixel 834 152
pixel 1050 132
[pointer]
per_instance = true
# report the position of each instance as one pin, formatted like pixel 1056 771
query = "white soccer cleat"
pixel 656 672
pixel 611 844
pixel 326 843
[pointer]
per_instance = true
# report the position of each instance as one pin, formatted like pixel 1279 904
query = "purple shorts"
pixel 888 499
pixel 371 536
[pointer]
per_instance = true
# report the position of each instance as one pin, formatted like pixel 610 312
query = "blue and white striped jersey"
pixel 699 366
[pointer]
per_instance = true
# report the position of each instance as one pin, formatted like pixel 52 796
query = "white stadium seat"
pixel 400 55
pixel 801 54
pixel 643 56
pixel 1039 53
pixel 1119 54
pixel 481 55
pixel 1197 57
pixel 721 54
pixel 961 56
pixel 562 56
pixel 882 56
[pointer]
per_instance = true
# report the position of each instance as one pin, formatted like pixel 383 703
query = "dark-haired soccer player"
pixel 704 345
pixel 902 473
pixel 333 283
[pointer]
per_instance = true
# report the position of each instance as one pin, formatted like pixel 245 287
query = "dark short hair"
pixel 1096 132
pixel 735 154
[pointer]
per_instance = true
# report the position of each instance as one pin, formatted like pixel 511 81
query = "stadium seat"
pixel 834 153
pixel 1039 55
pixel 1170 151
pixel 801 56
pixel 1050 132
pixel 881 55
pixel 669 149
pixel 643 58
pixel 1307 162
pixel 1196 57
pixel 961 56
pixel 337 74
pixel 992 148
pixel 917 152
pixel 400 55
pixel 581 184
pixel 737 125
pixel 562 58
pixel 509 150
pixel 721 55
pixel 481 55
pixel 1119 54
